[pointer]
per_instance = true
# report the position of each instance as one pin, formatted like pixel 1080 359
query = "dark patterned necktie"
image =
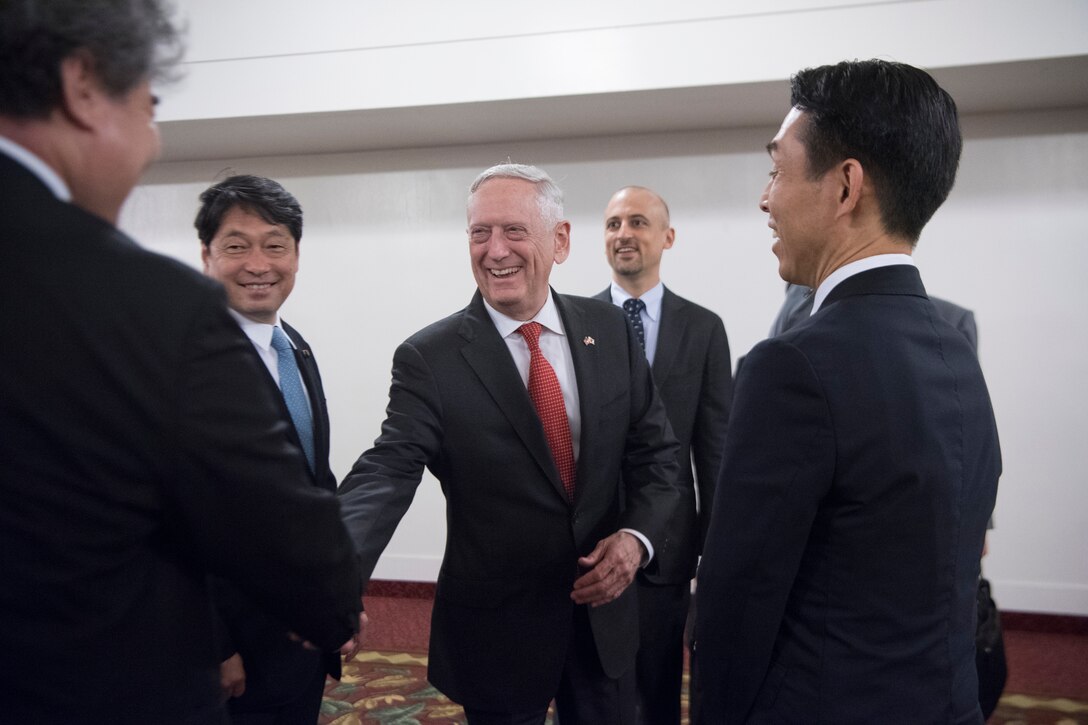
pixel 634 307
pixel 547 398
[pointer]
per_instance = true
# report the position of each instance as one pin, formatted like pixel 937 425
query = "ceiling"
pixel 1000 87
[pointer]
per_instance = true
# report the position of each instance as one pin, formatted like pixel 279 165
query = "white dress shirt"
pixel 556 350
pixel 37 167
pixel 260 334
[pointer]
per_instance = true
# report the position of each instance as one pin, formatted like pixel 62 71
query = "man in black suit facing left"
pixel 688 353
pixel 141 450
pixel 528 406
pixel 250 230
pixel 839 575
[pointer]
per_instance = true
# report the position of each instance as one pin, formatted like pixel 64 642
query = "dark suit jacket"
pixel 692 371
pixel 278 668
pixel 839 575
pixel 797 307
pixel 137 460
pixel 502 612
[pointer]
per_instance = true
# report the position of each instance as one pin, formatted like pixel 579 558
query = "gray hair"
pixel 128 40
pixel 549 195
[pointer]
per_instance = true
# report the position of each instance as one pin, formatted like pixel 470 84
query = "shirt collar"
pixel 849 270
pixel 547 316
pixel 36 166
pixel 651 298
pixel 259 333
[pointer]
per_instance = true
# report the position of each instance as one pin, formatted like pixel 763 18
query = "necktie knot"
pixel 531 332
pixel 633 306
pixel 279 340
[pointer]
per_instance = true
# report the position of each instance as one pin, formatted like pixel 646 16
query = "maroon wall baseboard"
pixel 399 589
pixel 1021 621
pixel 1038 622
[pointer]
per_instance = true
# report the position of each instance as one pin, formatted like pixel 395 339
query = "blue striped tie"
pixel 293 394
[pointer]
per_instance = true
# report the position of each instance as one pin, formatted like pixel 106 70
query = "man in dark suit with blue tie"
pixel 839 575
pixel 688 353
pixel 142 453
pixel 528 407
pixel 250 230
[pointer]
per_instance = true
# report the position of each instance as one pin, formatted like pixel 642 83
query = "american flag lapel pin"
pixel 587 340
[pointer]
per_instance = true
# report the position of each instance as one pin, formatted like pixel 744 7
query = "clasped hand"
pixel 611 566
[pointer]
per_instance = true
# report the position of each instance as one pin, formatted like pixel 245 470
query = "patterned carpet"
pixel 387 688
pixel 391 688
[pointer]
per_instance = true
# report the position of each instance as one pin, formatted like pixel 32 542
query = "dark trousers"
pixel 586 696
pixel 302 710
pixel 663 612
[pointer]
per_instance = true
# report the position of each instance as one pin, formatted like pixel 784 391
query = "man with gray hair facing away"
pixel 142 451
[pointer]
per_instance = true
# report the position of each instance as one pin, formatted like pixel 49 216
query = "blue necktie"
pixel 293 394
pixel 633 307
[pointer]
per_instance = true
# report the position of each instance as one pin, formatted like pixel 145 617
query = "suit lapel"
pixel 587 374
pixel 487 355
pixel 670 331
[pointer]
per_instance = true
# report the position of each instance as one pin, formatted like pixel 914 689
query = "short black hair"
pixel 264 197
pixel 128 41
pixel 896 121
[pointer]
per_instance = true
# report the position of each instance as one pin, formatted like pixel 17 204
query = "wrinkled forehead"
pixel 507 200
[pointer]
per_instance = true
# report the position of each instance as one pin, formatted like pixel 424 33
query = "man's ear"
pixel 562 242
pixel 82 94
pixel 850 177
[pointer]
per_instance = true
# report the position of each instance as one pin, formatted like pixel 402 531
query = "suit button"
pixel 574 519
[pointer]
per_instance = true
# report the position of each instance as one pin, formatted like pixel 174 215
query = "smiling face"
pixel 801 210
pixel 513 243
pixel 255 261
pixel 636 233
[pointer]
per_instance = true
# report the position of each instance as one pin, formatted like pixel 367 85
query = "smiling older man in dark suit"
pixel 839 576
pixel 528 406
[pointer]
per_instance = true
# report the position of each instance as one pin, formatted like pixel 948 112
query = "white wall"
pixel 384 253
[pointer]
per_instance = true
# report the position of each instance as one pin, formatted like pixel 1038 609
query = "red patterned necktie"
pixel 547 398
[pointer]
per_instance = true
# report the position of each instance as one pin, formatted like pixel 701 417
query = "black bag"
pixel 989 651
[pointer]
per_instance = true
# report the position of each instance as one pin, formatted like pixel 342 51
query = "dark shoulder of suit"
pixel 112 338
